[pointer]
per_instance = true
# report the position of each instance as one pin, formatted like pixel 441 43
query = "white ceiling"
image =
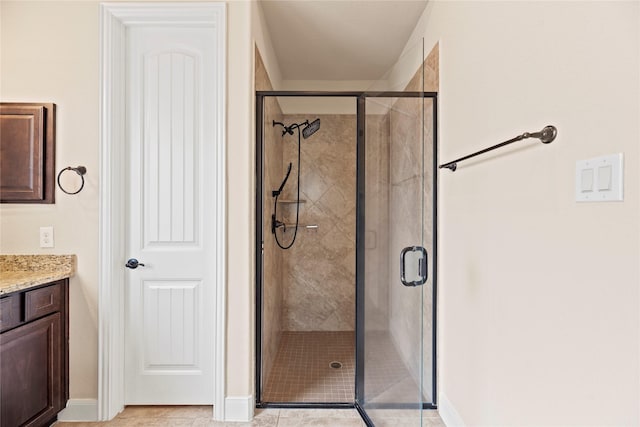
pixel 339 39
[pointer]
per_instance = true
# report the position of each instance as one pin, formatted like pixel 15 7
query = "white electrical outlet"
pixel 46 237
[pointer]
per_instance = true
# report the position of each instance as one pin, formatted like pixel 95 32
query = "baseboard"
pixel 448 412
pixel 238 408
pixel 80 410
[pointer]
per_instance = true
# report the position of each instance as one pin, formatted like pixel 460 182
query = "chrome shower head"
pixel 311 128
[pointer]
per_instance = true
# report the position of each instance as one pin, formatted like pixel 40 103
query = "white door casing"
pixel 177 232
pixel 171 222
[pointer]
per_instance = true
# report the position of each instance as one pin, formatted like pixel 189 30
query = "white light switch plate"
pixel 600 179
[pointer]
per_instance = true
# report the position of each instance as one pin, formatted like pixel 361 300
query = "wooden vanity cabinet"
pixel 34 361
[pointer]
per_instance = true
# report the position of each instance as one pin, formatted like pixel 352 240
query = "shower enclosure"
pixel 308 250
pixel 345 317
pixel 357 288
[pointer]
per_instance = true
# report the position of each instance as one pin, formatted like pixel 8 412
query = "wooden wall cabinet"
pixel 27 153
pixel 34 356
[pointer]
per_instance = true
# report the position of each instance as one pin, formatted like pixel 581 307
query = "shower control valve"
pixel 275 224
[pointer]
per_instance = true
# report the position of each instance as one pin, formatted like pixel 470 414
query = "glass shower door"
pixel 396 378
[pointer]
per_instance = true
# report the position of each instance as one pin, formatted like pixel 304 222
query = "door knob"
pixel 133 263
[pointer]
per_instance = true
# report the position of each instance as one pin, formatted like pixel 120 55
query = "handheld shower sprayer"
pixel 277 192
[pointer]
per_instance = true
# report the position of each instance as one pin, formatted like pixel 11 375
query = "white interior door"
pixel 171 140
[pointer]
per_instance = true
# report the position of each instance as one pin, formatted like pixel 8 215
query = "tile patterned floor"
pixel 200 416
pixel 301 371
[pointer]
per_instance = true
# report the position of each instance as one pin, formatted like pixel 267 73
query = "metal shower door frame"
pixel 360 249
pixel 359 98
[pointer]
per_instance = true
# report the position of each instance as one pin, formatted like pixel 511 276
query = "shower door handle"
pixel 422 275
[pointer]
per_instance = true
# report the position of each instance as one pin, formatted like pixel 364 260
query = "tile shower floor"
pixel 387 378
pixel 301 371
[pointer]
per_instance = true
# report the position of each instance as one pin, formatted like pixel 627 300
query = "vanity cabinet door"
pixel 27 152
pixel 31 363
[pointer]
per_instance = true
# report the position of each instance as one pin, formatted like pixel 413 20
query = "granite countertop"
pixel 20 272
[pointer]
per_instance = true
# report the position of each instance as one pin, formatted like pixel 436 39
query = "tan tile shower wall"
pixel 272 261
pixel 319 270
pixel 377 222
pixel 406 195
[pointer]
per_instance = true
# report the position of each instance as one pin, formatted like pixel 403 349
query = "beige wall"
pixel 240 205
pixel 539 298
pixel 327 105
pixel 50 52
pixel 260 34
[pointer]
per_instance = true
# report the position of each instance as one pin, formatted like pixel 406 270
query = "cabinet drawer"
pixel 40 302
pixel 9 312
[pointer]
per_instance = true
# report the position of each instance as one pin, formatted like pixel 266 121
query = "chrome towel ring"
pixel 80 170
